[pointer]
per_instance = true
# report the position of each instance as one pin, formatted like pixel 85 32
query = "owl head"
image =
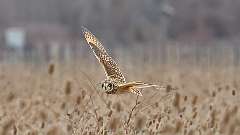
pixel 108 86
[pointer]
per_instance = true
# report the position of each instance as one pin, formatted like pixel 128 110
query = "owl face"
pixel 108 86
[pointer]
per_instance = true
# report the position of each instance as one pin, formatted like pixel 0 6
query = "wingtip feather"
pixel 84 30
pixel 136 91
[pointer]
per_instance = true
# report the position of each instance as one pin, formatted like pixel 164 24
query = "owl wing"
pixel 112 71
pixel 135 87
pixel 138 84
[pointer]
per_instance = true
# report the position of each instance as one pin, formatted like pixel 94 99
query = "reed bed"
pixel 62 99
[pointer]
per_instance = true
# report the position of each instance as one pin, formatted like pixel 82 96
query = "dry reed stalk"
pixel 176 102
pixel 117 106
pixel 194 115
pixel 15 130
pixel 212 119
pixel 114 124
pixel 233 92
pixel 213 94
pixel 68 88
pixel 178 126
pixel 51 69
pixel 194 100
pixel 7 126
pixel 185 98
pixel 53 131
pixel 139 123
pixel 78 100
pixel 10 97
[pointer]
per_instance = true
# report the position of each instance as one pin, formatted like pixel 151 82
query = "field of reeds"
pixel 62 99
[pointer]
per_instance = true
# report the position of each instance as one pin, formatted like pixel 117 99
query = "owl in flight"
pixel 115 82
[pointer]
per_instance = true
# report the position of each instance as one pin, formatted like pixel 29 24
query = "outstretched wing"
pixel 138 84
pixel 135 86
pixel 111 69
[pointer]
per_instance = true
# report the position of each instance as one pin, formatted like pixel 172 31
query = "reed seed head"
pixel 51 69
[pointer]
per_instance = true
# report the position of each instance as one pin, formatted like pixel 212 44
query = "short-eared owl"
pixel 115 82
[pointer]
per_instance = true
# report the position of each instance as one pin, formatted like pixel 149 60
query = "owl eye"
pixel 110 85
pixel 102 85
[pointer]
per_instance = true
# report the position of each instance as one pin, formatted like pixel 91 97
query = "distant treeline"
pixel 206 31
pixel 127 21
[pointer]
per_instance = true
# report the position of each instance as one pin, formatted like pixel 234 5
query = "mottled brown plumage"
pixel 115 82
pixel 111 69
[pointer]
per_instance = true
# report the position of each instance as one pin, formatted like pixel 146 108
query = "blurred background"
pixel 49 75
pixel 188 33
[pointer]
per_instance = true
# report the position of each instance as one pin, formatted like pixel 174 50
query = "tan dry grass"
pixel 64 100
